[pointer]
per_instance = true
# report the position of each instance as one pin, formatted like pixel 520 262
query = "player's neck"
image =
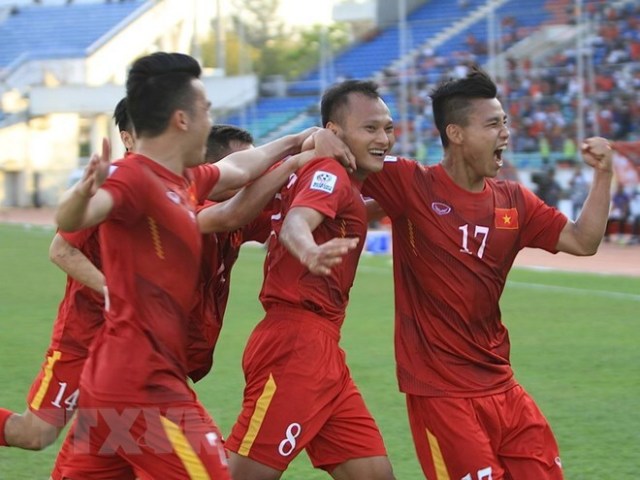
pixel 359 176
pixel 162 150
pixel 461 174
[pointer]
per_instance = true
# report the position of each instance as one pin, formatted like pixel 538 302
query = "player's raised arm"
pixel 249 202
pixel 240 168
pixel 75 264
pixel 583 236
pixel 85 204
pixel 297 236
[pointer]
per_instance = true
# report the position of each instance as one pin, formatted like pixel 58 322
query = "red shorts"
pixel 501 436
pixel 299 394
pixel 53 396
pixel 171 442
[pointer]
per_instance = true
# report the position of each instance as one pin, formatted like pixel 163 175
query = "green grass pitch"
pixel 575 343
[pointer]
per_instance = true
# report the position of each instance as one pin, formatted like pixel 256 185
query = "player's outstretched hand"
pixel 326 144
pixel 306 138
pixel 96 171
pixel 321 259
pixel 597 153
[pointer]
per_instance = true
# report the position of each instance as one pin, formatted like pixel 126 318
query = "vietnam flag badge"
pixel 506 218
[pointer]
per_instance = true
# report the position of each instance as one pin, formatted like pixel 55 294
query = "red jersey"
pixel 219 254
pixel 81 311
pixel 151 250
pixel 229 244
pixel 324 186
pixel 452 251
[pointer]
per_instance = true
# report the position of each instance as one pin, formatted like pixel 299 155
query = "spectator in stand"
pixel 549 190
pixel 578 190
pixel 634 216
pixel 619 213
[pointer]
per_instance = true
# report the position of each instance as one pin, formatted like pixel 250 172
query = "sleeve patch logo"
pixel 323 181
pixel 390 158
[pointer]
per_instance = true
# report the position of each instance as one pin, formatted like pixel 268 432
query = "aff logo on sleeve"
pixel 323 181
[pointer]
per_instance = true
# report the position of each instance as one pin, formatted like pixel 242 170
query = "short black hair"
pixel 452 99
pixel 220 137
pixel 158 85
pixel 121 117
pixel 337 97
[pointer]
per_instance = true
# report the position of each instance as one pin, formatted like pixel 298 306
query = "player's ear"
pixel 180 119
pixel 333 127
pixel 127 140
pixel 454 133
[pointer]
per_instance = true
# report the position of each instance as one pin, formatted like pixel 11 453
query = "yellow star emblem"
pixel 506 219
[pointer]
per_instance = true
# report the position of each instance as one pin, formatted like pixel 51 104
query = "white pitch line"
pixel 532 286
pixel 536 286
pixel 581 291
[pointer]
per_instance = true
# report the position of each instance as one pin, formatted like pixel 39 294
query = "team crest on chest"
pixel 323 181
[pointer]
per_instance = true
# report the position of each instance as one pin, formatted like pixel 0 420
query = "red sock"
pixel 4 416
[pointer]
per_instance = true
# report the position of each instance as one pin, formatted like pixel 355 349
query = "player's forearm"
pixel 297 237
pixel 590 226
pixel 78 267
pixel 242 167
pixel 72 210
pixel 248 203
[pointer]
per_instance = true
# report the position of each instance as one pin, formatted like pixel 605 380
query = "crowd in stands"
pixel 541 99
pixel 624 217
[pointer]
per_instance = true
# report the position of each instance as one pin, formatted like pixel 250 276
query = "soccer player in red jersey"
pixel 299 393
pixel 456 232
pixel 53 396
pixel 219 253
pixel 224 140
pixel 138 412
pixel 138 415
pixel 234 218
pixel 244 216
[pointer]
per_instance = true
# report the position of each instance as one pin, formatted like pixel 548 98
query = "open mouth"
pixel 377 152
pixel 498 156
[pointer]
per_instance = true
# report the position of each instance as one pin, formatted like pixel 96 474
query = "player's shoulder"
pixel 510 191
pixel 401 164
pixel 131 162
pixel 323 168
pixel 503 184
pixel 402 169
pixel 202 170
pixel 324 163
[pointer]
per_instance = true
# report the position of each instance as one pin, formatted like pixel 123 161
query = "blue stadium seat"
pixel 60 31
pixel 364 59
